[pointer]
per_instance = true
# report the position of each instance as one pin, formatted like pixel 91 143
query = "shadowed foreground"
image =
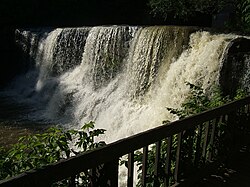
pixel 236 172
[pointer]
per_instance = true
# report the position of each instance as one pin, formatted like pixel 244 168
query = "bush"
pixel 241 21
pixel 183 10
pixel 197 101
pixel 36 151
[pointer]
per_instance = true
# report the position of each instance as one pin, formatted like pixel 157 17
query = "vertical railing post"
pixel 168 161
pixel 92 177
pixel 205 141
pixel 211 142
pixel 144 166
pixel 157 164
pixel 232 138
pixel 178 158
pixel 72 182
pixel 110 174
pixel 105 174
pixel 130 169
pixel 198 147
pixel 189 152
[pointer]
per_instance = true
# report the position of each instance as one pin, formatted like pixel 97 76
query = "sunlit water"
pixel 121 77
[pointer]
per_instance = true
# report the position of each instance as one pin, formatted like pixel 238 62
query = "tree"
pixel 187 10
pixel 39 150
pixel 241 21
pixel 183 9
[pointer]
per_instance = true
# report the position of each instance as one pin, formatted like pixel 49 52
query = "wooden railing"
pixel 190 144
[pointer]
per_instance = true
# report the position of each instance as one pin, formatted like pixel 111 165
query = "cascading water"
pixel 121 77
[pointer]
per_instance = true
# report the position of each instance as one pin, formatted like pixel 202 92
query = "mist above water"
pixel 121 77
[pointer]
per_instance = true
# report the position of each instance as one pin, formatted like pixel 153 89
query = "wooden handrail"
pixel 91 159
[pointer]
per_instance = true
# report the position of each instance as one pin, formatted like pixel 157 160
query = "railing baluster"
pixel 144 166
pixel 111 173
pixel 178 158
pixel 101 165
pixel 130 169
pixel 218 133
pixel 189 164
pixel 211 142
pixel 198 147
pixel 72 181
pixel 248 112
pixel 104 175
pixel 204 151
pixel 225 119
pixel 92 177
pixel 157 165
pixel 168 161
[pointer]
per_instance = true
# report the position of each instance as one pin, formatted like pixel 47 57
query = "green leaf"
pixel 89 125
pixel 42 149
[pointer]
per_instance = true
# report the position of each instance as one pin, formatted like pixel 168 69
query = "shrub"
pixel 242 16
pixel 36 151
pixel 183 10
pixel 197 101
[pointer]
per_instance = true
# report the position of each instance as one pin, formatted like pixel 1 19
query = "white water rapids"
pixel 120 77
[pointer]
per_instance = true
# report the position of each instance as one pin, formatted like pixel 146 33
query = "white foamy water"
pixel 121 77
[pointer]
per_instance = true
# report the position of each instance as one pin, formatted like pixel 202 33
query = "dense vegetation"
pixel 241 20
pixel 39 150
pixel 36 151
pixel 184 10
pixel 238 10
pixel 197 101
pixel 92 12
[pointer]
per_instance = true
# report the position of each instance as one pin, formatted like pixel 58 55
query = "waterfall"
pixel 121 77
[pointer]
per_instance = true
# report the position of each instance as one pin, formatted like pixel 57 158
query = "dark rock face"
pixel 236 67
pixel 9 54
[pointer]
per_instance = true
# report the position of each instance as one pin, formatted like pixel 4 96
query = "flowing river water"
pixel 120 77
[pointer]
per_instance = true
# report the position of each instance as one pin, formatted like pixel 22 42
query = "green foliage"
pixel 240 93
pixel 36 151
pixel 151 163
pixel 241 21
pixel 183 10
pixel 169 8
pixel 196 102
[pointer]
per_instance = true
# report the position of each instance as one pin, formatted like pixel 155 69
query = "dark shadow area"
pixel 56 13
pixel 235 170
pixel 71 13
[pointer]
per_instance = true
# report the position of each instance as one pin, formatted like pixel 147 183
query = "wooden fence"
pixel 167 155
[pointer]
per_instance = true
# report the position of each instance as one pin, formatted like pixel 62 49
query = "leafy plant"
pixel 36 151
pixel 241 21
pixel 240 93
pixel 196 102
pixel 183 10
